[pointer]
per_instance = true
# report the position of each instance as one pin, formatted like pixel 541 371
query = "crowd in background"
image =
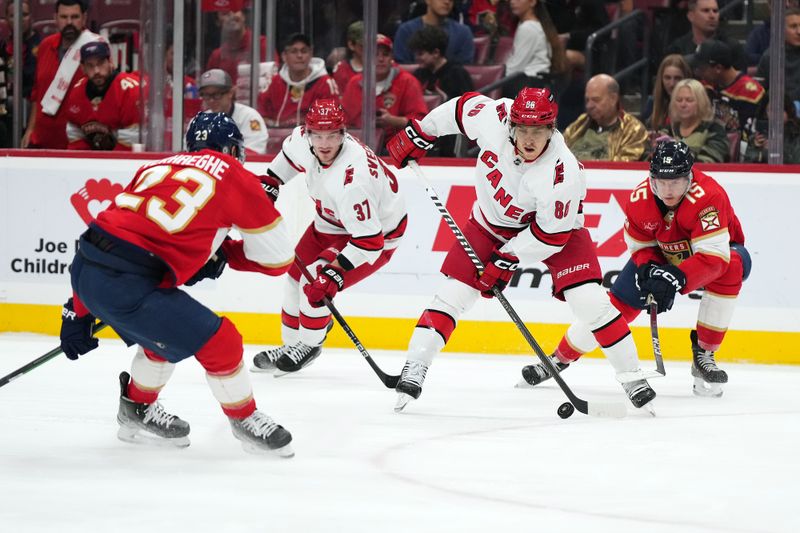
pixel 708 89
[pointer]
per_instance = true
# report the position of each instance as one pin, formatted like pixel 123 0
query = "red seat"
pixel 483 75
pixel 276 138
pixel 481 49
pixel 408 67
pixel 433 100
pixel 358 133
pixel 503 49
pixel 45 27
pixel 734 139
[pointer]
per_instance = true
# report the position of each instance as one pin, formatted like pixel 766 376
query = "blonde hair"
pixel 704 110
pixel 661 98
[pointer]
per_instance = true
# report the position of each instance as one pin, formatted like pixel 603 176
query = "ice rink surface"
pixel 473 454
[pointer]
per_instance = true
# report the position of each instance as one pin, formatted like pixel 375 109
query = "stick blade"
pixel 607 409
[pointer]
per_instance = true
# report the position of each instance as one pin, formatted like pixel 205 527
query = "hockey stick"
pixel 653 309
pixel 601 409
pixel 39 361
pixel 387 379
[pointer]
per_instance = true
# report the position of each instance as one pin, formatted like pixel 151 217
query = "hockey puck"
pixel 565 410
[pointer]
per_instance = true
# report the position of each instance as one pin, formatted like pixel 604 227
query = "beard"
pixel 70 33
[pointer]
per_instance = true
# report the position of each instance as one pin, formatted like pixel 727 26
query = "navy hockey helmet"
pixel 215 131
pixel 671 160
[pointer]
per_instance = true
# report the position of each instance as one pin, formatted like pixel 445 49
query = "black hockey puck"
pixel 565 410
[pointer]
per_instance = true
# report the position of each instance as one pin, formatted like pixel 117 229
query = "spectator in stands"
pixel 758 40
pixel 354 63
pixel 792 65
pixel 673 69
pixel 301 80
pixel 606 132
pixel 703 15
pixel 460 48
pixel 57 71
pixel 576 20
pixel 537 50
pixel 399 94
pixel 436 74
pixel 692 121
pixel 235 46
pixel 736 98
pixel 219 95
pixel 757 150
pixel 102 109
pixel 490 17
pixel 30 42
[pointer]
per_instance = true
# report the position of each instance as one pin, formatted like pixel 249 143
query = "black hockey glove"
pixel 76 332
pixel 662 281
pixel 211 270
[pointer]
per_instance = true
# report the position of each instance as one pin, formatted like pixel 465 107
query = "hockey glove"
pixel 330 280
pixel 76 332
pixel 99 136
pixel 662 281
pixel 271 185
pixel 211 270
pixel 497 272
pixel 409 144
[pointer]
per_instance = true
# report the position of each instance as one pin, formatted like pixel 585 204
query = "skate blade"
pixel 649 408
pixel 638 375
pixel 135 435
pixel 522 384
pixel 259 370
pixel 285 452
pixel 706 390
pixel 402 400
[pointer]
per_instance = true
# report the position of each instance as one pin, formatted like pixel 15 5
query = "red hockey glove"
pixel 497 272
pixel 76 332
pixel 330 280
pixel 271 185
pixel 409 144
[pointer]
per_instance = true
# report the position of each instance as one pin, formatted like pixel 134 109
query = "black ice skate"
pixel 410 385
pixel 260 434
pixel 640 394
pixel 265 361
pixel 534 374
pixel 148 423
pixel 708 377
pixel 299 356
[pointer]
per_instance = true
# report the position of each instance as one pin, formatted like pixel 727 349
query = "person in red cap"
pixel 102 109
pixel 360 220
pixel 399 94
pixel 529 188
pixel 57 71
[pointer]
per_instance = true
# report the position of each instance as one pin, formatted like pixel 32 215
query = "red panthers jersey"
pixel 182 207
pixel 696 235
pixel 118 109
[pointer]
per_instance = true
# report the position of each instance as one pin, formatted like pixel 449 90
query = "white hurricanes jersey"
pixel 356 195
pixel 533 206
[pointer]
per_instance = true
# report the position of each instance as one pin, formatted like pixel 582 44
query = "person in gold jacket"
pixel 606 132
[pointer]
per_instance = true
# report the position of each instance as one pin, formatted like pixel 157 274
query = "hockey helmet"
pixel 671 160
pixel 325 114
pixel 215 131
pixel 534 107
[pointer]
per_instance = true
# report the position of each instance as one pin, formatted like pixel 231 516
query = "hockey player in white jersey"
pixel 529 189
pixel 360 219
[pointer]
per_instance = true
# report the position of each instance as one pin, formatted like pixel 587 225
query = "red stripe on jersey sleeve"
pixel 399 231
pixel 552 239
pixel 370 243
pixel 439 321
pixel 460 111
pixel 294 165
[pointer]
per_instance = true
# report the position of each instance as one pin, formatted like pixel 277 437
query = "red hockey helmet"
pixel 534 107
pixel 325 114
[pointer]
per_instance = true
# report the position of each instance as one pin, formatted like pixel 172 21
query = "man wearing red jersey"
pixel 103 108
pixel 683 234
pixel 57 62
pixel 168 228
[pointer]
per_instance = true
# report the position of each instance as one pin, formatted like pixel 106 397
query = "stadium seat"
pixel 503 49
pixel 276 137
pixel 408 67
pixel 481 49
pixel 734 140
pixel 483 75
pixel 45 27
pixel 433 100
pixel 358 133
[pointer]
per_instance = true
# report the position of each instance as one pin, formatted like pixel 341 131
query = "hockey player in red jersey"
pixel 683 234
pixel 102 108
pixel 168 228
pixel 529 188
pixel 360 220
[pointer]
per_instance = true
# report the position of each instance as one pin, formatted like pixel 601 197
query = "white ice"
pixel 472 454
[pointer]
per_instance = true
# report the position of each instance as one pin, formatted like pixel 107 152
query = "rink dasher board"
pixel 42 200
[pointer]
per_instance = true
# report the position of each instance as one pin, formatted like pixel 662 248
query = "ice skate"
pixel 265 361
pixel 708 377
pixel 299 356
pixel 143 423
pixel 410 385
pixel 640 394
pixel 260 434
pixel 534 374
